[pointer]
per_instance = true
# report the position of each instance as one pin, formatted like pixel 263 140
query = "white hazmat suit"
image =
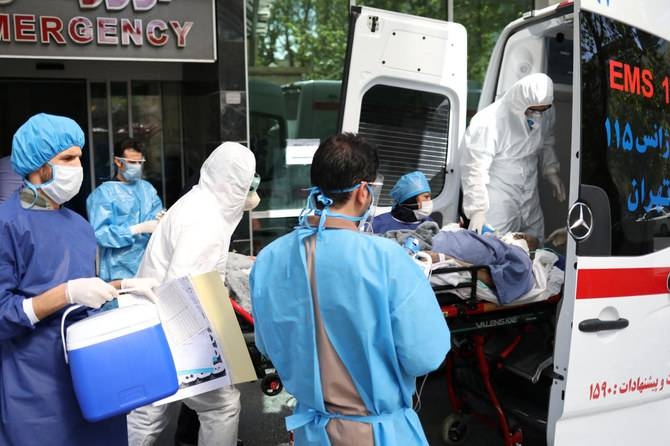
pixel 500 155
pixel 193 238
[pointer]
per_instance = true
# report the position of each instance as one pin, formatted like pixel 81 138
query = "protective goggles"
pixel 255 183
pixel 129 161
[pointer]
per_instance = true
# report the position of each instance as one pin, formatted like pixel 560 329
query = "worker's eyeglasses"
pixel 129 161
pixel 255 183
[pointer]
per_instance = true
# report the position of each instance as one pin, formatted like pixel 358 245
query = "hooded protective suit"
pixel 193 238
pixel 113 208
pixel 500 154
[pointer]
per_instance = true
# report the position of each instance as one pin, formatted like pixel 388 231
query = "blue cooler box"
pixel 120 360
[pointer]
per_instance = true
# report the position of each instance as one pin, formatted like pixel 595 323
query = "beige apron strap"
pixel 339 392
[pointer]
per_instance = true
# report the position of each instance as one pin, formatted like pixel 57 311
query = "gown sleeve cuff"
pixel 30 312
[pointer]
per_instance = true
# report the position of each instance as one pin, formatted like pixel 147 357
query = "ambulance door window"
pixel 410 129
pixel 625 147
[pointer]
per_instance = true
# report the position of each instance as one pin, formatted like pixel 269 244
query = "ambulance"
pixel 405 88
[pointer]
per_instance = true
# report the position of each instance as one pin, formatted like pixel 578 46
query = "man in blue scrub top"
pixel 47 262
pixel 348 319
pixel 123 214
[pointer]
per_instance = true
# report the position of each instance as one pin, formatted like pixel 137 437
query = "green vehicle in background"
pixel 311 108
pixel 286 123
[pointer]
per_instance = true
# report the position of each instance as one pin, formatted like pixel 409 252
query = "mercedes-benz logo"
pixel 580 221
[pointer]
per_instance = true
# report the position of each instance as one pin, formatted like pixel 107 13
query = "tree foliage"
pixel 312 34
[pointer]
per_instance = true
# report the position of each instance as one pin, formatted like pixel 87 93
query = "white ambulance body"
pixel 405 89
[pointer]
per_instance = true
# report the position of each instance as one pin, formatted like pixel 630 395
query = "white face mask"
pixel 425 209
pixel 252 201
pixel 64 184
pixel 534 119
pixel 132 173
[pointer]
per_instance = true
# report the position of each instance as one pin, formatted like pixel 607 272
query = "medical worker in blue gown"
pixel 47 262
pixel 348 319
pixel 412 204
pixel 123 214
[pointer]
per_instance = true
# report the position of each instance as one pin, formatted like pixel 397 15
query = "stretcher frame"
pixel 469 321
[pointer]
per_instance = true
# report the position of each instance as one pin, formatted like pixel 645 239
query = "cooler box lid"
pixel 111 324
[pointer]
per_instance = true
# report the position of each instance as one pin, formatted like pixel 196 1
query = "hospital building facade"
pixel 181 76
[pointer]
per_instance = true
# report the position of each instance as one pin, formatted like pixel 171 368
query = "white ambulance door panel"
pixel 612 357
pixel 404 89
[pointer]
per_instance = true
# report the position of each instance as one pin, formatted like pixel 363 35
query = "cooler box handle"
pixel 62 328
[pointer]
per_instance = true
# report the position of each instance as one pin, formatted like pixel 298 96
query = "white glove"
pixel 558 189
pixel 92 292
pixel 146 227
pixel 477 221
pixel 558 237
pixel 142 286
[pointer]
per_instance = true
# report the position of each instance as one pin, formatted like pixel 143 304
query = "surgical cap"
pixel 410 185
pixel 41 138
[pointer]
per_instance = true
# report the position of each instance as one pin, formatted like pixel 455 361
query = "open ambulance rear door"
pixel 612 353
pixel 405 89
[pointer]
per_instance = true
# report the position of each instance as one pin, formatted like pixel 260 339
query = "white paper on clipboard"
pixel 205 340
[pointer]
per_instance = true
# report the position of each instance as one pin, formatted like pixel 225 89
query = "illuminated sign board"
pixel 158 30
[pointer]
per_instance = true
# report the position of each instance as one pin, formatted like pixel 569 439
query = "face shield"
pixel 316 196
pixel 375 189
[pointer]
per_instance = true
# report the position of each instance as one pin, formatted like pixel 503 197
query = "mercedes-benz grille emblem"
pixel 580 221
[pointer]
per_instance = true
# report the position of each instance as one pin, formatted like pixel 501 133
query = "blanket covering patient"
pixel 510 267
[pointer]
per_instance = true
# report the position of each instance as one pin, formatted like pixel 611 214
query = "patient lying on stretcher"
pixel 516 270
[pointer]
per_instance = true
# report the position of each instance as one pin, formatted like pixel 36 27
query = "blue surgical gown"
pixel 385 222
pixel 40 249
pixel 113 207
pixel 380 315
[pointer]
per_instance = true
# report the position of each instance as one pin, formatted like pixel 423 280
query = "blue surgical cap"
pixel 410 185
pixel 41 138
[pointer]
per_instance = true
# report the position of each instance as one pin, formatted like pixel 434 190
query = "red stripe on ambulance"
pixel 625 282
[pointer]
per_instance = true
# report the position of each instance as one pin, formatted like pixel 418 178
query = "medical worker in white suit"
pixel 194 238
pixel 500 154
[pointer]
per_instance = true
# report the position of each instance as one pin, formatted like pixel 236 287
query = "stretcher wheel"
pixel 454 429
pixel 271 385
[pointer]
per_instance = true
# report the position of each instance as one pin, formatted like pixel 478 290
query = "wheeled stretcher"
pixel 488 340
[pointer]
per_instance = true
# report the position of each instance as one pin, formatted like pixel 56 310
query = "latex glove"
pixel 477 222
pixel 558 189
pixel 146 227
pixel 142 286
pixel 558 237
pixel 92 292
